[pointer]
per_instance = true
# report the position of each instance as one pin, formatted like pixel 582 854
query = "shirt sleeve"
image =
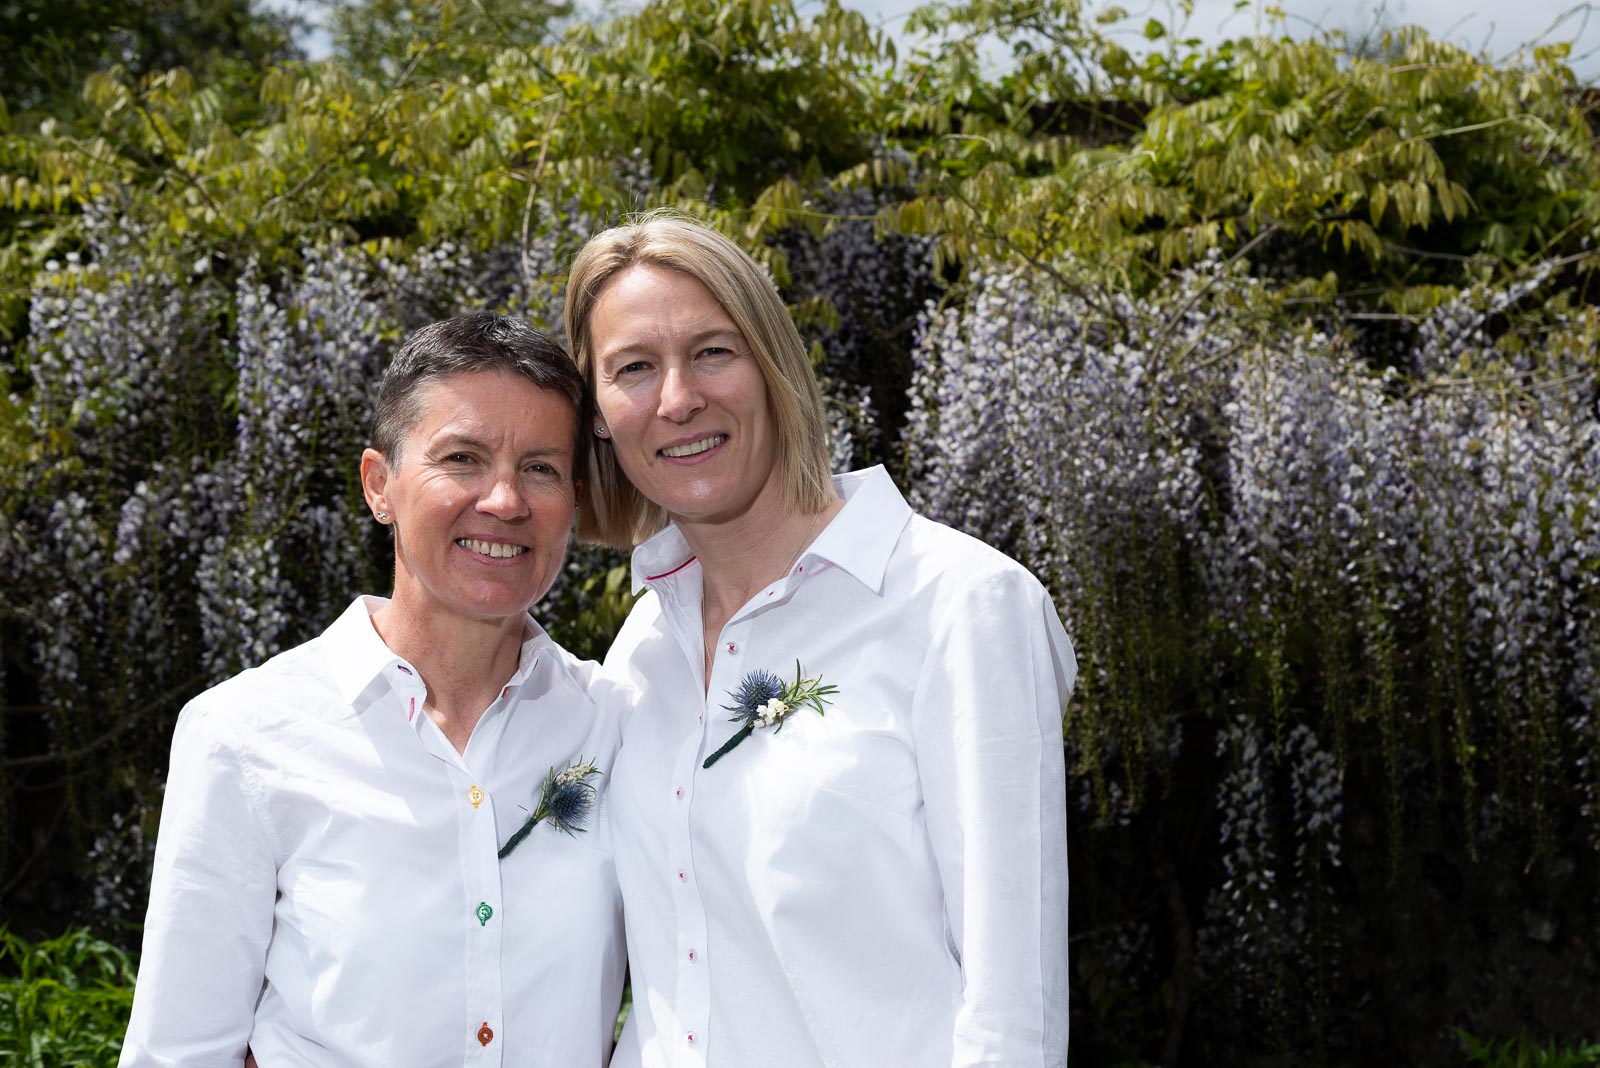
pixel 211 902
pixel 987 721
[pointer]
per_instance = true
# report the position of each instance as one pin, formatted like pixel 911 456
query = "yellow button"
pixel 475 795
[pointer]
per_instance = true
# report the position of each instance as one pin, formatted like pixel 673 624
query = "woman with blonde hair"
pixel 838 814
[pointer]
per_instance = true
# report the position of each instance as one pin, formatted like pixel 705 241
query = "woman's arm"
pixel 211 900
pixel 987 717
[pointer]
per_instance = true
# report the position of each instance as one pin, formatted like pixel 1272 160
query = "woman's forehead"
pixel 487 404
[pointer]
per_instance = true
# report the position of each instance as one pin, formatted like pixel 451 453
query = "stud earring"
pixel 601 432
pixel 383 517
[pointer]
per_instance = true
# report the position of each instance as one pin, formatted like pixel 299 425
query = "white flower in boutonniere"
pixel 762 700
pixel 565 801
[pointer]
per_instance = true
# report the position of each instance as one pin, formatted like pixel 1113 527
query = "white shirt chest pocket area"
pixel 830 767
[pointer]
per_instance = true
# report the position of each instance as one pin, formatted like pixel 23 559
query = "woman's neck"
pixel 738 557
pixel 465 663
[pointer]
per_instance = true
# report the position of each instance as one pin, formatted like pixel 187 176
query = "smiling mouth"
pixel 695 448
pixel 497 550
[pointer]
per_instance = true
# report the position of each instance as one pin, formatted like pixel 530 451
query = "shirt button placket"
pixel 481 876
pixel 694 994
pixel 693 1001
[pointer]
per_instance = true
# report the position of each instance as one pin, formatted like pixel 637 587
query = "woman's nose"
pixel 502 498
pixel 680 395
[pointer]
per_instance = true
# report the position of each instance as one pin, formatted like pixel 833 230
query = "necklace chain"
pixel 804 540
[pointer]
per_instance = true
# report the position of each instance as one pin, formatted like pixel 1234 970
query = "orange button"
pixel 485 1034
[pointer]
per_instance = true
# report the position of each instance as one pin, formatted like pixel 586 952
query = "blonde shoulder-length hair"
pixel 611 511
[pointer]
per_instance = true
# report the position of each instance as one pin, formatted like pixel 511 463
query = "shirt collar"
pixel 863 535
pixel 357 655
pixel 662 555
pixel 860 539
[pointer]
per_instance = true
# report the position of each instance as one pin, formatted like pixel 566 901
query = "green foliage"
pixel 588 611
pixel 64 1002
pixel 1398 174
pixel 1392 172
pixel 451 132
pixel 51 47
pixel 723 99
pixel 441 40
pixel 1522 1052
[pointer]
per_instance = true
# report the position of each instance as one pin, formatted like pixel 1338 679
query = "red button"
pixel 691 956
pixel 690 1037
pixel 681 876
pixel 485 1034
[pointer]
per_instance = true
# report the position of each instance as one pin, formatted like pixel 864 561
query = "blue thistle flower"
pixel 567 803
pixel 754 690
pixel 763 700
pixel 564 800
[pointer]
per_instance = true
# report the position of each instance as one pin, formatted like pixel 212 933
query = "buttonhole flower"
pixel 762 700
pixel 565 800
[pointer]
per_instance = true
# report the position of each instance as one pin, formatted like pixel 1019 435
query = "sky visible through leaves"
pixel 1497 27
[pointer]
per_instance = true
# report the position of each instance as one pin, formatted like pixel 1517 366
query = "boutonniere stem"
pixel 762 700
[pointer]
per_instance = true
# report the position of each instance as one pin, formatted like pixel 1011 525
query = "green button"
pixel 484 912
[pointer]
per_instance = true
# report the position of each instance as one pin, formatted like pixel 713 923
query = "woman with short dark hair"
pixel 360 859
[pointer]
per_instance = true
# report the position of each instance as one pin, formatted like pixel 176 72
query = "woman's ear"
pixel 375 482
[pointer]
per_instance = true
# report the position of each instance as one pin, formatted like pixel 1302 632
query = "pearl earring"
pixel 383 517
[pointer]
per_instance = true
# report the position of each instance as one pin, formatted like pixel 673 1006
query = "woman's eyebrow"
pixel 455 440
pixel 458 441
pixel 647 346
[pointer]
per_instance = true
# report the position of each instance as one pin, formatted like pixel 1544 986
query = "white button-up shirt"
pixel 885 884
pixel 326 886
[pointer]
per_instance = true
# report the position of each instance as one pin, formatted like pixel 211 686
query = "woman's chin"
pixel 709 501
pixel 487 602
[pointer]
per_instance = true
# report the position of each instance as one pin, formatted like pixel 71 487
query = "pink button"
pixel 733 647
pixel 691 957
pixel 689 1038
pixel 681 876
pixel 678 792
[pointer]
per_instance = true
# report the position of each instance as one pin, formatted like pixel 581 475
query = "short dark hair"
pixel 467 344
